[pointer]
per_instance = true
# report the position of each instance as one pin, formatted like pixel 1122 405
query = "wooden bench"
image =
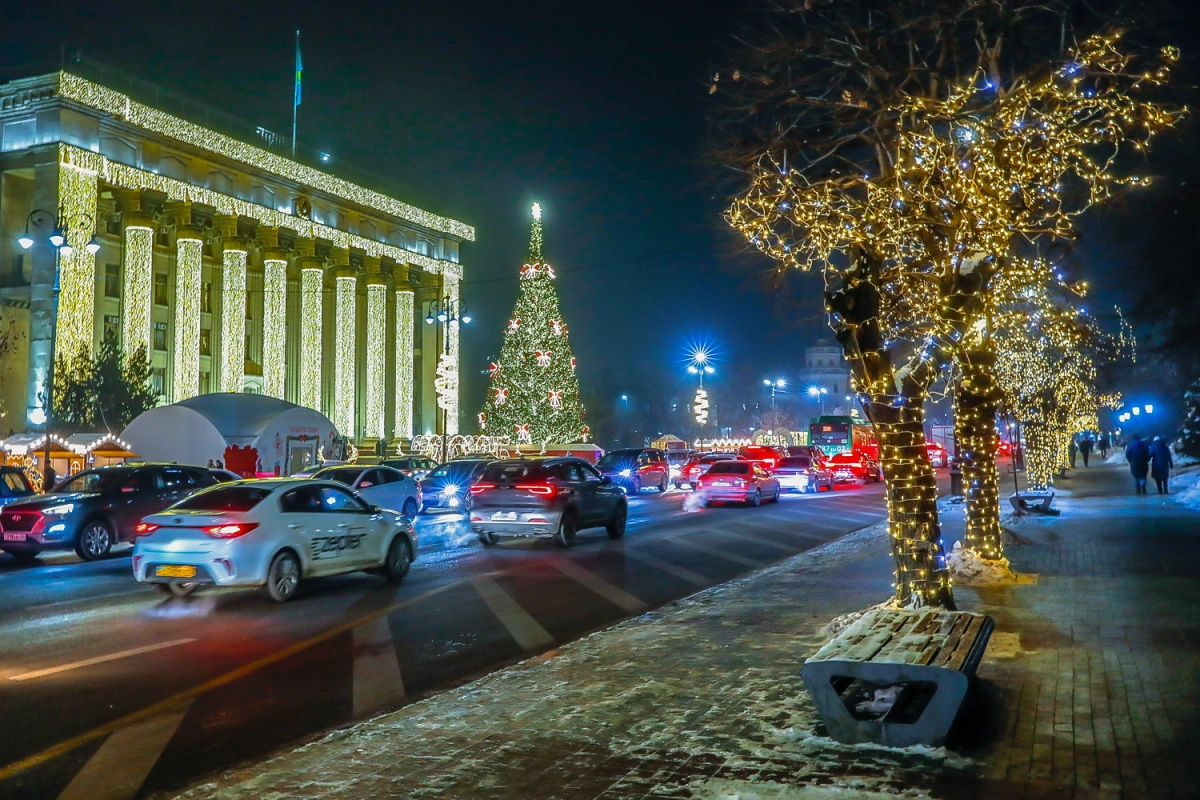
pixel 924 658
pixel 1034 503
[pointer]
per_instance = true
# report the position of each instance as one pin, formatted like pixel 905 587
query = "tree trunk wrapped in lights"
pixel 976 402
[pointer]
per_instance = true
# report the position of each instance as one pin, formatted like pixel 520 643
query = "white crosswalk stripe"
pixel 522 627
pixel 119 768
pixel 749 537
pixel 613 594
pixel 719 553
pixel 694 578
pixel 377 680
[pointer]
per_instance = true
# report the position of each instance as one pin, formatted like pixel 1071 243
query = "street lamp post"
pixel 819 393
pixel 778 385
pixel 59 239
pixel 446 313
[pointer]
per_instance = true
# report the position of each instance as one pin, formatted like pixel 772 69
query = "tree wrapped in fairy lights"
pixel 908 172
pixel 533 397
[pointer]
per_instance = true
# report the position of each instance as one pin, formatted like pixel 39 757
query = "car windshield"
pixel 92 481
pixel 801 462
pixel 455 469
pixel 225 498
pixel 514 471
pixel 730 468
pixel 677 458
pixel 341 475
pixel 618 458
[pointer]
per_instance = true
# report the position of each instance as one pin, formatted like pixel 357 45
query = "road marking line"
pixel 749 537
pixel 782 529
pixel 718 553
pixel 520 625
pixel 87 662
pixel 613 594
pixel 119 768
pixel 682 573
pixel 377 680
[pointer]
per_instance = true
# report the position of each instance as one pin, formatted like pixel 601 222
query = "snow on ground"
pixel 968 568
pixel 1117 457
pixel 1185 487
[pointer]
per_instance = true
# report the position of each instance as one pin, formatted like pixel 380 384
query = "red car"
pixel 738 481
pixel 937 454
pixel 855 467
pixel 760 454
pixel 697 465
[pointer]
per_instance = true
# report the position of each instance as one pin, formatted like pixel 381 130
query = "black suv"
pixel 94 509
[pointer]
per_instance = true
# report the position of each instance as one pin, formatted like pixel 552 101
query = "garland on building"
pixel 533 397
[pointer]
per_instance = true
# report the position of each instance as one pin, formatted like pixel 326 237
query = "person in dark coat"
pixel 1085 448
pixel 1073 450
pixel 1160 463
pixel 1102 446
pixel 1138 457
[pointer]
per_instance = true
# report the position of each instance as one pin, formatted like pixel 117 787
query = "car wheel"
pixel 95 540
pixel 410 508
pixel 487 537
pixel 755 500
pixel 678 483
pixel 775 499
pixel 399 560
pixel 662 487
pixel 567 528
pixel 182 589
pixel 616 525
pixel 283 576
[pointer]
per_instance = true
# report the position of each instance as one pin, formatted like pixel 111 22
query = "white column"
pixel 404 363
pixel 312 287
pixel 189 254
pixel 77 190
pixel 343 357
pixel 376 358
pixel 452 331
pixel 233 317
pixel 274 327
pixel 137 283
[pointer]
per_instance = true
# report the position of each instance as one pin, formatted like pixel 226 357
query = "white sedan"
pixel 382 486
pixel 270 533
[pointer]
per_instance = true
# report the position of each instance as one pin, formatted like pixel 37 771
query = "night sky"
pixel 476 109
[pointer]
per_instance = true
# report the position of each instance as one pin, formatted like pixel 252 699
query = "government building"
pixel 237 268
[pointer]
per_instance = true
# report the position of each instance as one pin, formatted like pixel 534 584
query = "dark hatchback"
pixel 636 468
pixel 447 485
pixel 95 509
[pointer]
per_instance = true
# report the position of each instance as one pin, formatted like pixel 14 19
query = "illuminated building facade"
pixel 239 269
pixel 825 369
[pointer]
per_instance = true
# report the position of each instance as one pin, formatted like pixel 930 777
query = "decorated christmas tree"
pixel 533 397
pixel 1189 432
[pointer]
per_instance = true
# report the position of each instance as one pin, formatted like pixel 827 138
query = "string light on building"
pixel 376 358
pixel 77 191
pixel 189 255
pixel 139 275
pixel 312 284
pixel 346 306
pixel 404 363
pixel 233 319
pixel 274 327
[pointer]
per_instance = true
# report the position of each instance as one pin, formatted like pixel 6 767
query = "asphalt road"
pixel 108 690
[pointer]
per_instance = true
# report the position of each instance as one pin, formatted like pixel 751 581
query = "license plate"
pixel 505 516
pixel 14 537
pixel 720 483
pixel 172 571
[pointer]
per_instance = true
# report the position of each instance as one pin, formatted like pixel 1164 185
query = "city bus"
pixel 843 434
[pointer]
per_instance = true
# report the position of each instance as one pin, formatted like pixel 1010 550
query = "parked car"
pixel 636 468
pixel 96 508
pixel 271 532
pixel 382 486
pixel 766 457
pixel 556 497
pixel 697 465
pixel 738 481
pixel 937 454
pixel 447 485
pixel 849 467
pixel 416 467
pixel 803 474
pixel 14 485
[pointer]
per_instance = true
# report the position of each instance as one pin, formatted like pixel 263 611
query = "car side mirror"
pixel 374 509
pixel 605 480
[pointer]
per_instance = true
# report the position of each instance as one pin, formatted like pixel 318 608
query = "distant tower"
pixel 825 368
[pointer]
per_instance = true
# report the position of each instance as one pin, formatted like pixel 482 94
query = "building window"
pixel 111 326
pixel 160 289
pixel 205 343
pixel 160 336
pixel 204 382
pixel 158 377
pixel 112 280
pixel 206 298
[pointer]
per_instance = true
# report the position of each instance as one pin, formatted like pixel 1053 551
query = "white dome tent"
pixel 251 434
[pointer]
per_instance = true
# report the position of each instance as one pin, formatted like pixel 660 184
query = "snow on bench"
pixel 897 677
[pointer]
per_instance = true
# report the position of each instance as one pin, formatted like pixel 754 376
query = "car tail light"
pixel 480 488
pixel 540 489
pixel 145 528
pixel 231 531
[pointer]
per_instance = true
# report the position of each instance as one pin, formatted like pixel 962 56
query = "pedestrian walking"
pixel 1085 449
pixel 1160 463
pixel 1138 457
pixel 1102 445
pixel 1073 449
pixel 49 479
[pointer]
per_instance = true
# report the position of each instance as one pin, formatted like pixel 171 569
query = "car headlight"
pixel 449 490
pixel 59 510
pixel 625 473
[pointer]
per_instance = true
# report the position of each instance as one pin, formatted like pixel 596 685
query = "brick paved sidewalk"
pixel 1089 688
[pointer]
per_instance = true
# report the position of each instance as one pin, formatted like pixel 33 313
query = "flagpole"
pixel 296 94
